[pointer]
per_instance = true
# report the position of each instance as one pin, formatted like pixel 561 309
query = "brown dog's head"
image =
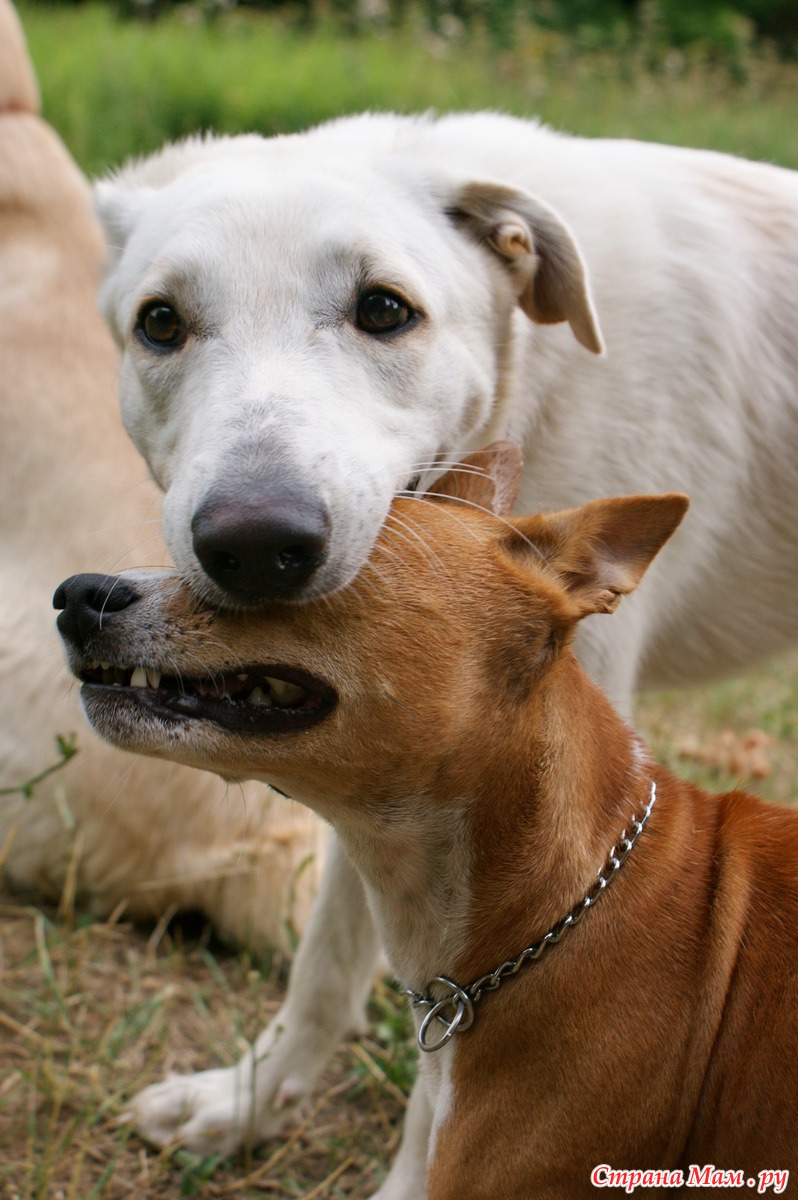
pixel 455 620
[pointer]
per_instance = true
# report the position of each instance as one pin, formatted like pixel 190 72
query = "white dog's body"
pixel 692 259
pixel 114 830
pixel 263 253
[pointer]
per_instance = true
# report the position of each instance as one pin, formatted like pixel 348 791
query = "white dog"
pixel 312 323
pixel 110 830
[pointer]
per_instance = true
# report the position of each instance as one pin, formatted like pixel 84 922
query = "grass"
pixel 94 1012
pixel 742 732
pixel 114 88
pixel 91 1012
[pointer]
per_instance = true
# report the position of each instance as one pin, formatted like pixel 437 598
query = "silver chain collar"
pixel 456 1010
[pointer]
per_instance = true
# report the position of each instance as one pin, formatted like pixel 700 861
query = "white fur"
pixel 109 831
pixel 692 260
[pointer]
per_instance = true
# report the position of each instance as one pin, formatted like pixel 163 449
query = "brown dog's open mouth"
pixel 262 699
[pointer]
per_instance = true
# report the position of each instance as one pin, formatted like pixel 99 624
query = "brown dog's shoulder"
pixel 767 834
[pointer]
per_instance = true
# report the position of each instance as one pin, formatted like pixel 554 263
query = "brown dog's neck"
pixel 571 776
pixel 511 835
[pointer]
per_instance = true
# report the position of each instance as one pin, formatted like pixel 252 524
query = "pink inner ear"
pixel 487 478
pixel 602 549
pixel 512 240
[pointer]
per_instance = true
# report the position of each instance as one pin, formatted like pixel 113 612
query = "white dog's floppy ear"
pixel 539 250
pixel 120 199
pixel 119 207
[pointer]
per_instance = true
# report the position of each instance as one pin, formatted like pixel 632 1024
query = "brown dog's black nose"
pixel 261 544
pixel 86 600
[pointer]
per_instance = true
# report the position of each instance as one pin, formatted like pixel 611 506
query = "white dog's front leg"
pixel 407 1178
pixel 219 1110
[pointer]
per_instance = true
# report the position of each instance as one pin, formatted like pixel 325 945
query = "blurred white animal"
pixel 111 828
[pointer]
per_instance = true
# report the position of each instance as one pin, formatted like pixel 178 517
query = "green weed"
pixel 114 88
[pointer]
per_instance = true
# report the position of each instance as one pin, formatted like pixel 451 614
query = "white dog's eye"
pixel 380 311
pixel 161 326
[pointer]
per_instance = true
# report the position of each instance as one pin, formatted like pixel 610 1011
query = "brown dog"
pixel 433 712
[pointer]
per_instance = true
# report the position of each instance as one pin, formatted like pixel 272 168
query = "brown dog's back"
pixel 753 919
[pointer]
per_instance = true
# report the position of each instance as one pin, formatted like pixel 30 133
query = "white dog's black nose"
pixel 86 600
pixel 261 543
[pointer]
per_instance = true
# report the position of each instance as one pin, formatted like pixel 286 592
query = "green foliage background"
pixel 114 86
pixel 716 22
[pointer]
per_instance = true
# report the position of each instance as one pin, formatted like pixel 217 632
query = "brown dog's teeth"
pixel 286 693
pixel 270 693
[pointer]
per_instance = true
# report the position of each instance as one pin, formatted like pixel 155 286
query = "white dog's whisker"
pixel 457 468
pixel 412 537
pixel 481 507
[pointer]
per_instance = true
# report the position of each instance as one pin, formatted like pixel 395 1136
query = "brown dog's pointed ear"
pixel 487 478
pixel 538 250
pixel 602 550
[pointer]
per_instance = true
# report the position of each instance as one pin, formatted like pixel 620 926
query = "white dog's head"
pixel 309 326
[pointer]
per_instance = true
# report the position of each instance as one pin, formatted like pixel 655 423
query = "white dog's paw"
pixel 218 1111
pixel 205 1112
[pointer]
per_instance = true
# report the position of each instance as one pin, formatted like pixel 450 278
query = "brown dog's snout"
pixel 86 600
pixel 261 544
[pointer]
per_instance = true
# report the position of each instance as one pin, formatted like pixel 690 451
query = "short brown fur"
pixel 663 1030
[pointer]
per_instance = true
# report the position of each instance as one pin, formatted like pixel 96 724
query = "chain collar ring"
pixel 455 1010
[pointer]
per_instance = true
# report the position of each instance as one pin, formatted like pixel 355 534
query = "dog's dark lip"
pixel 242 701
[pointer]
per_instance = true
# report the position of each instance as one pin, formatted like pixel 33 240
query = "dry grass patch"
pixel 741 733
pixel 91 1014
